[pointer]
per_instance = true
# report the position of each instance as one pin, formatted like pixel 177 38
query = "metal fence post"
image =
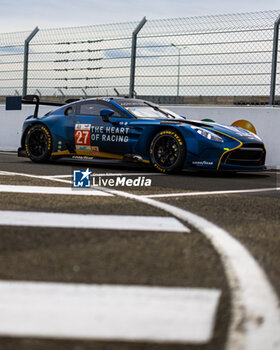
pixel 274 61
pixel 25 62
pixel 133 55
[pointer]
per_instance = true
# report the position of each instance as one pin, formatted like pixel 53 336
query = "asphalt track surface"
pixel 246 205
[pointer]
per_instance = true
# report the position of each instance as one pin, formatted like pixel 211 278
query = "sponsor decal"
pixel 82 157
pixel 83 148
pixel 80 126
pixel 48 136
pixel 109 134
pixel 131 103
pixel 173 133
pixel 203 162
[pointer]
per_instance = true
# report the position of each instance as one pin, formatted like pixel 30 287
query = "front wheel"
pixel 38 143
pixel 167 151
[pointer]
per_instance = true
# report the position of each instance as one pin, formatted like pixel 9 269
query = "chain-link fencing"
pixel 224 55
pixel 11 63
pixel 83 61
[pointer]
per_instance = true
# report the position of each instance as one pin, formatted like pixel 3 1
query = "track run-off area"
pixel 190 262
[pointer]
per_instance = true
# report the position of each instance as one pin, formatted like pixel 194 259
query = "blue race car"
pixel 139 131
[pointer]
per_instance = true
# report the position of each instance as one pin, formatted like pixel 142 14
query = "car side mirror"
pixel 106 114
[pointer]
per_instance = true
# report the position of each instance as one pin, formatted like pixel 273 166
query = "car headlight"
pixel 208 134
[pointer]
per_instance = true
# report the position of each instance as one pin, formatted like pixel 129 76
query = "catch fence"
pixel 179 59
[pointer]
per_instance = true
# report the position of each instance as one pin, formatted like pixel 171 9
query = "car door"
pixel 100 138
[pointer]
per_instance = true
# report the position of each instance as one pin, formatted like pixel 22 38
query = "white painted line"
pixel 9 173
pixel 128 174
pixel 82 221
pixel 52 190
pixel 59 310
pixel 70 176
pixel 104 175
pixel 58 176
pixel 255 312
pixel 209 193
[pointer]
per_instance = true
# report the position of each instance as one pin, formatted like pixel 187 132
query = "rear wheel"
pixel 38 143
pixel 167 151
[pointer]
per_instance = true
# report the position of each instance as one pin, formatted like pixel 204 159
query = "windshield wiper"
pixel 156 108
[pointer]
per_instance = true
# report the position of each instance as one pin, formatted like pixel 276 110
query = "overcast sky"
pixel 18 15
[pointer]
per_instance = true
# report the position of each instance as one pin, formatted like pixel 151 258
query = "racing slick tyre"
pixel 38 143
pixel 167 151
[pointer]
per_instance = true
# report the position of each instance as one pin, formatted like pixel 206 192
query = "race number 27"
pixel 82 134
pixel 82 137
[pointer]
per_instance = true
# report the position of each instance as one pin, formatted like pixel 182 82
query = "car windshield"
pixel 144 112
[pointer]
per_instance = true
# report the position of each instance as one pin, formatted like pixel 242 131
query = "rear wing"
pixel 15 102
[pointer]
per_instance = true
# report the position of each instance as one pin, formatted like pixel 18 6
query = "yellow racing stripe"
pixel 228 150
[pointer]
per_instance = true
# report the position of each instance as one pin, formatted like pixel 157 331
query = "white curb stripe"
pixel 208 193
pixel 52 190
pixel 80 221
pixel 60 310
pixel 255 313
pixel 9 173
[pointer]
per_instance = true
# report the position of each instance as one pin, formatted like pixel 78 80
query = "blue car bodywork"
pixel 117 128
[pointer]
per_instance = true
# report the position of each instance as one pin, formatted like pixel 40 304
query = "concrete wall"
pixel 11 125
pixel 265 119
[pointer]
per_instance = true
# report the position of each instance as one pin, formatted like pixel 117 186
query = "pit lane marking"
pixel 208 193
pixel 90 221
pixel 52 190
pixel 82 311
